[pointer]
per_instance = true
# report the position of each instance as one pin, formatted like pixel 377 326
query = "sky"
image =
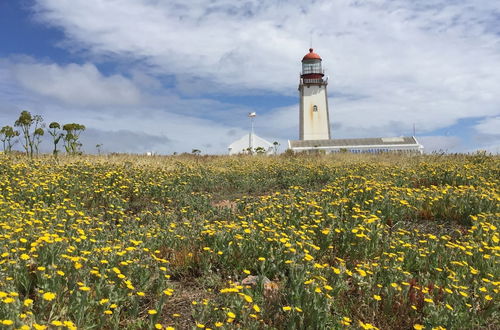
pixel 171 76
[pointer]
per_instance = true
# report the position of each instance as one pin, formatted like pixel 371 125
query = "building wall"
pixel 314 125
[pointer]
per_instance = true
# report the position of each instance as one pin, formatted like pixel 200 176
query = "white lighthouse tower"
pixel 314 119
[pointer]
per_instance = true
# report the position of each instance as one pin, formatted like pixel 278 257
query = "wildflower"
pixel 287 308
pixel 418 327
pixel 256 308
pixel 247 298
pixel 367 326
pixel 377 297
pixel 39 326
pixel 152 312
pixel 49 296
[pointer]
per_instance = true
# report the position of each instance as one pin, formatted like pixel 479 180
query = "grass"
pixel 335 241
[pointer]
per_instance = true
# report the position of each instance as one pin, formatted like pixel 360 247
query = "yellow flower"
pixel 158 326
pixel 84 288
pixel 418 327
pixel 49 296
pixel 28 302
pixel 287 308
pixel 377 297
pixel 231 315
pixel 152 312
pixel 7 322
pixel 39 326
pixel 108 312
pixel 24 256
pixel 256 308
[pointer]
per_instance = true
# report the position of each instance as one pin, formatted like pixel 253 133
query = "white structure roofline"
pixel 381 146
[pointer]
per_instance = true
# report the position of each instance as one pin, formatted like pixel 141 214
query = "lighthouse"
pixel 314 119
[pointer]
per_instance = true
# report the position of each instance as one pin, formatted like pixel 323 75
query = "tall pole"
pixel 250 136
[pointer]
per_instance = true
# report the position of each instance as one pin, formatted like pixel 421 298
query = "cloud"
pixel 75 84
pixel 489 126
pixel 430 63
pixel 392 64
pixel 441 143
pixel 123 141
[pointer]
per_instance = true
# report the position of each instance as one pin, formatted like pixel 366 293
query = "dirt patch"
pixel 177 311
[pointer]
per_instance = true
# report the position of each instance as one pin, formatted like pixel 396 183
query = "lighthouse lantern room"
pixel 314 118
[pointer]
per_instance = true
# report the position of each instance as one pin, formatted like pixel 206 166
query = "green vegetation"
pixel 251 242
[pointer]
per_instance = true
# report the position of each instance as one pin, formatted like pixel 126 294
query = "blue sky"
pixel 175 75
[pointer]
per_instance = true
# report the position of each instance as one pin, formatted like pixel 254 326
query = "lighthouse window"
pixel 315 108
pixel 311 67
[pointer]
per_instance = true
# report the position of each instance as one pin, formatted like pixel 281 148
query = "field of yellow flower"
pixel 316 242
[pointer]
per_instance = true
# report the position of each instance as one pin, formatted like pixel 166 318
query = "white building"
pixel 404 144
pixel 251 142
pixel 314 133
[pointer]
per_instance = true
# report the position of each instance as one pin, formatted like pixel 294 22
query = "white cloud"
pixel 74 84
pixel 430 63
pixel 489 126
pixel 392 64
pixel 441 143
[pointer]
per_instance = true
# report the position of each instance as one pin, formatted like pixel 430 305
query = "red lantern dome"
pixel 311 55
pixel 311 68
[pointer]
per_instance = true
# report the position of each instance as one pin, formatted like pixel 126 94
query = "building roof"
pixel 353 143
pixel 311 55
pixel 243 143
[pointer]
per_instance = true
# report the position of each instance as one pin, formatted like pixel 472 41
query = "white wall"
pixel 314 124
